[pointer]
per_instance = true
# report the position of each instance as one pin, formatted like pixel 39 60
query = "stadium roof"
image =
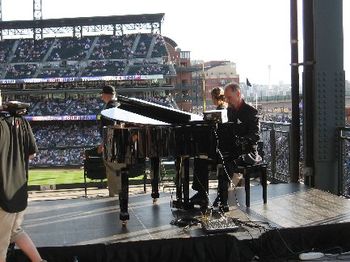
pixel 82 21
pixel 170 41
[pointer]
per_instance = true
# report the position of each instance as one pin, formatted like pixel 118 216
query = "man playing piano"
pixel 246 129
pixel 112 168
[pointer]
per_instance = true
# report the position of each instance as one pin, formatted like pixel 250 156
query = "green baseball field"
pixel 55 176
pixel 64 176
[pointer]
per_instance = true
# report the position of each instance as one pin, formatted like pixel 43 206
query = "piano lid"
pixel 156 111
pixel 129 117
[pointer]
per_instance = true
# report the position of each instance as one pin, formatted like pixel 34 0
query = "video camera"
pixel 14 108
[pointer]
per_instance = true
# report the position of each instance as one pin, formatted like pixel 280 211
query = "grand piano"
pixel 147 130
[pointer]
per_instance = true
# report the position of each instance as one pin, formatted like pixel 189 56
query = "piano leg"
pixel 178 182
pixel 124 197
pixel 155 168
pixel 186 183
pixel 182 183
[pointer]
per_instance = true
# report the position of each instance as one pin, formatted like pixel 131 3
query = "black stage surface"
pixel 295 219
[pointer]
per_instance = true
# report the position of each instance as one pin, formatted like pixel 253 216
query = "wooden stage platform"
pixel 295 219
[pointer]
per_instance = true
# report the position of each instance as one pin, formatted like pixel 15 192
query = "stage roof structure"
pixel 80 26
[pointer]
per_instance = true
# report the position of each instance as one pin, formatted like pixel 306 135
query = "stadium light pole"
pixel 204 89
pixel 197 83
pixel 0 19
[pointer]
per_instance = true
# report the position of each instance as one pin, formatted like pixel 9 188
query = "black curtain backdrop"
pixel 288 243
pixel 202 249
pixel 273 245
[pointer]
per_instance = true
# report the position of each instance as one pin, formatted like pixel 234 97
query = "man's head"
pixel 233 95
pixel 107 93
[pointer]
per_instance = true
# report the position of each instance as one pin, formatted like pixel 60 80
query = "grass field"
pixel 38 177
pixel 55 176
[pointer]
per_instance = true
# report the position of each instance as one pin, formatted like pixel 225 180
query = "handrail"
pixel 343 174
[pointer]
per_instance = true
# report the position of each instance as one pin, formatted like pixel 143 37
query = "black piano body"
pixel 147 130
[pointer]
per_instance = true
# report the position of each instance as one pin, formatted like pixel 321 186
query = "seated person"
pixel 246 130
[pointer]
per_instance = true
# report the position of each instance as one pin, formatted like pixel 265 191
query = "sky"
pixel 255 34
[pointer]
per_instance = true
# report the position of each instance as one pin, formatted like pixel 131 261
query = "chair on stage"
pixel 254 171
pixel 94 167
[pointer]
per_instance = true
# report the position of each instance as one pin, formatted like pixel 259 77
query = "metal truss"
pixel 79 27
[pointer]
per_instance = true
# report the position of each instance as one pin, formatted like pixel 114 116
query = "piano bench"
pixel 252 171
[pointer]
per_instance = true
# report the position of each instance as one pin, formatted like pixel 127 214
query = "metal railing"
pixel 276 139
pixel 344 161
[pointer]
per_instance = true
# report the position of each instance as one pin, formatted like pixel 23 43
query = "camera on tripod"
pixel 14 108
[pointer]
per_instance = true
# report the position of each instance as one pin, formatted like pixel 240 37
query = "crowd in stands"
pixel 81 106
pixel 113 47
pixel 278 117
pixel 167 101
pixel 63 144
pixel 70 49
pixel 77 134
pixel 65 106
pixel 29 50
pixel 58 158
pixel 51 70
pixel 21 71
pixel 159 49
pixel 5 49
pixel 147 68
pixel 105 55
pixel 105 68
pixel 84 106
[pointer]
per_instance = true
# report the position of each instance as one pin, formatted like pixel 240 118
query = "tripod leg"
pixel 124 197
pixel 178 181
pixel 155 167
pixel 186 183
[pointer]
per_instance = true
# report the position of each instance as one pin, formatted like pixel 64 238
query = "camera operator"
pixel 17 147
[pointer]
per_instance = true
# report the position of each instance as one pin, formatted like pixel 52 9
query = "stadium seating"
pixel 89 56
pixel 62 143
pixel 5 50
pixel 29 50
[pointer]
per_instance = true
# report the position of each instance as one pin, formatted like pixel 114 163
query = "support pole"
pixel 204 89
pixel 37 15
pixel 329 92
pixel 308 91
pixel 295 129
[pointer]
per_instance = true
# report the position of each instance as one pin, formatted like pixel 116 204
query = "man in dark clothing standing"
pixel 112 168
pixel 17 147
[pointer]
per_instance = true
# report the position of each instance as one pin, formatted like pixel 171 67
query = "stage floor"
pixel 67 218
